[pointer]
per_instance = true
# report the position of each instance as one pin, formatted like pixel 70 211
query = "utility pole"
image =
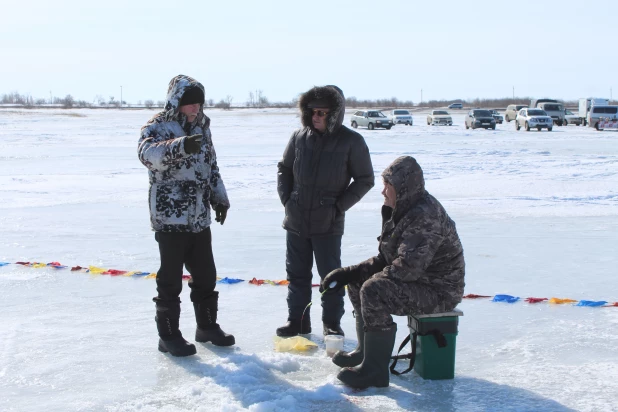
pixel 513 93
pixel 610 95
pixel 121 97
pixel 51 101
pixel 421 96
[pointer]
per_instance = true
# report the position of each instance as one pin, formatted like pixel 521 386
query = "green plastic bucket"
pixel 436 341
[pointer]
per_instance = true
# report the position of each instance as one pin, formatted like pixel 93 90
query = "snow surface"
pixel 536 211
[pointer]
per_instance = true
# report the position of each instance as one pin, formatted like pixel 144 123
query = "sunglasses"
pixel 320 113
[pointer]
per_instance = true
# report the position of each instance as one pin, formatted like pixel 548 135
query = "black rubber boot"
pixel 208 330
pixel 177 346
pixel 170 338
pixel 373 371
pixel 354 357
pixel 333 329
pixel 295 327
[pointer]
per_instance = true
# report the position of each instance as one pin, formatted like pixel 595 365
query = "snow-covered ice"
pixel 537 213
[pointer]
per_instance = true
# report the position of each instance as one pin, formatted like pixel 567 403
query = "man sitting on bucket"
pixel 419 269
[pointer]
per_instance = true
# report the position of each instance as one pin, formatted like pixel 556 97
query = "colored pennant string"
pixel 473 296
pixel 95 270
pixel 505 298
pixel 559 301
pixel 535 300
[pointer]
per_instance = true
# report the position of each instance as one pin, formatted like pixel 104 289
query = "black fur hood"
pixel 333 96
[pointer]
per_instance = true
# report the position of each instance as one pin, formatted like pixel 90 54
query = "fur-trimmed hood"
pixel 406 176
pixel 176 89
pixel 335 101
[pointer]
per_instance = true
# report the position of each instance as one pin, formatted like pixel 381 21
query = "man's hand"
pixel 193 143
pixel 221 213
pixel 342 276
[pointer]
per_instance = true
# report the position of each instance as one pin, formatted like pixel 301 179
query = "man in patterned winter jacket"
pixel 176 147
pixel 419 269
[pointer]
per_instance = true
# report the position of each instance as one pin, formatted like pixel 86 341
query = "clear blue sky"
pixel 371 49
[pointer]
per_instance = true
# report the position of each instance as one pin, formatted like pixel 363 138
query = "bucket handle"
pixel 438 336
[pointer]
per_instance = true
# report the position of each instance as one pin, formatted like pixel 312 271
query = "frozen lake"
pixel 537 213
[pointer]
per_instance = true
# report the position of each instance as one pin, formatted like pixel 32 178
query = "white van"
pixel 553 110
pixel 586 103
pixel 598 113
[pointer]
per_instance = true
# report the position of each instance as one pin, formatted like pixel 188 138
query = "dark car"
pixel 497 116
pixel 481 118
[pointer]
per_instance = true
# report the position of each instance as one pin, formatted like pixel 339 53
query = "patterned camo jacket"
pixel 183 187
pixel 419 241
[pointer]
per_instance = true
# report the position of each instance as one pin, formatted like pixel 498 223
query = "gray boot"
pixel 373 371
pixel 354 357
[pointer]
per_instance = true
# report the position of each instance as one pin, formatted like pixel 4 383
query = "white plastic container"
pixel 333 343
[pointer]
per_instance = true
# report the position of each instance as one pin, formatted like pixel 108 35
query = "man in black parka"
pixel 326 169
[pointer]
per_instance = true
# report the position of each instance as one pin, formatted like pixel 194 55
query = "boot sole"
pixel 353 379
pixel 231 343
pixel 164 350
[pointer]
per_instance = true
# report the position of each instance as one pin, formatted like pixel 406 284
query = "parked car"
pixel 370 119
pixel 535 102
pixel 600 113
pixel 571 118
pixel 455 106
pixel 497 116
pixel 553 110
pixel 400 116
pixel 537 118
pixel 512 110
pixel 440 118
pixel 480 118
pixel 586 103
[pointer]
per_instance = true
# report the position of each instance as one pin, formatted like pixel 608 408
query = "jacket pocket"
pixel 323 217
pixel 293 215
pixel 172 204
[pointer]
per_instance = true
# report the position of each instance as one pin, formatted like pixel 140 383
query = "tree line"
pixel 257 99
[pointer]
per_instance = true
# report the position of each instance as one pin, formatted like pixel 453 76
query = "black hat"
pixel 319 103
pixel 192 95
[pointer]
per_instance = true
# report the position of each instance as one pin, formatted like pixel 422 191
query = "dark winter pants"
pixel 193 251
pixel 298 264
pixel 376 297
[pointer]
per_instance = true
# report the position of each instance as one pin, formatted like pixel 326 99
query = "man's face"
pixel 190 110
pixel 320 114
pixel 390 197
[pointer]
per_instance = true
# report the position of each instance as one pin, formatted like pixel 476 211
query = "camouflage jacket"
pixel 419 241
pixel 314 176
pixel 183 187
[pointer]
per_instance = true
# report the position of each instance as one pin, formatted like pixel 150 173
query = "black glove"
pixel 342 276
pixel 193 143
pixel 221 213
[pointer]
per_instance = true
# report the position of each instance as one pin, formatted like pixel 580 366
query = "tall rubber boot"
pixel 354 357
pixel 170 338
pixel 373 371
pixel 208 330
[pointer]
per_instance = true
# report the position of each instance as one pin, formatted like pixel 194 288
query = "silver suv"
pixel 370 119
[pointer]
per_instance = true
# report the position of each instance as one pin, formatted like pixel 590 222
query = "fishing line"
pixel 330 286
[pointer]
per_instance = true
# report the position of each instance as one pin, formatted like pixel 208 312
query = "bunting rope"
pixel 553 301
pixel 258 282
pixel 94 270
